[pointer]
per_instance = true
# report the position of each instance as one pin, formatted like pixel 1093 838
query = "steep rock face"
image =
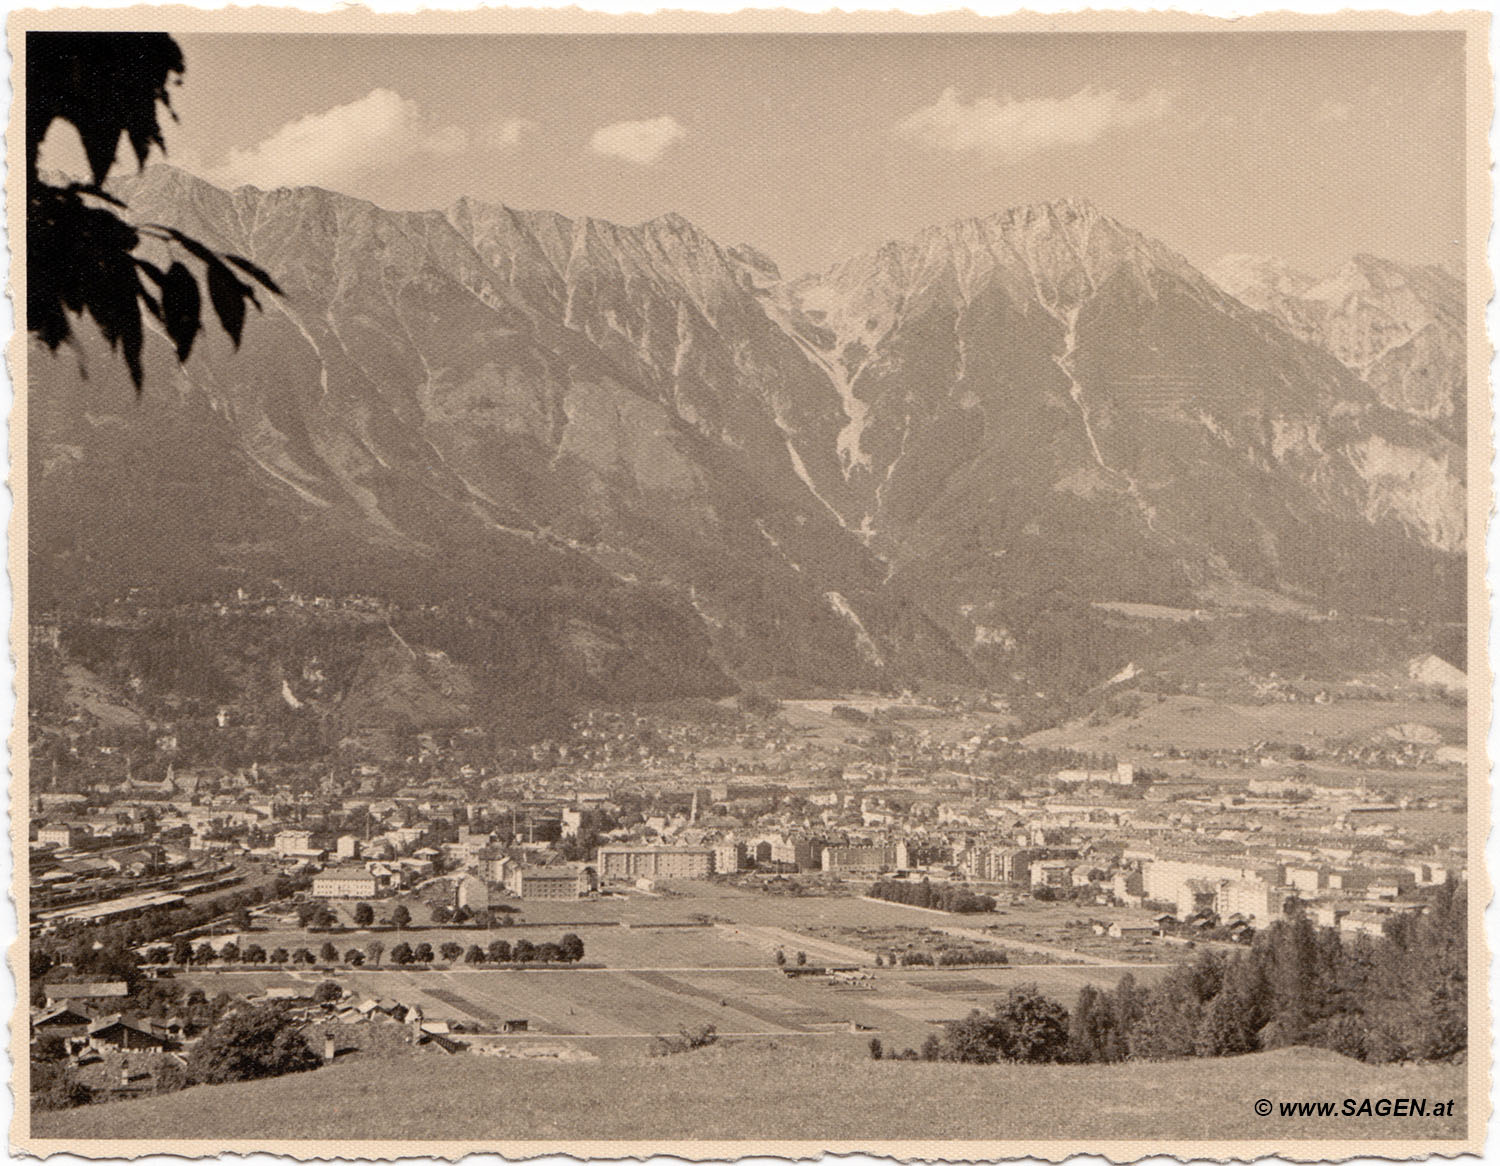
pixel 1047 399
pixel 586 406
pixel 1399 327
pixel 862 477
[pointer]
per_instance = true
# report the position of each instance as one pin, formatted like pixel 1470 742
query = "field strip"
pixel 567 1038
pixel 767 935
pixel 994 940
pixel 666 984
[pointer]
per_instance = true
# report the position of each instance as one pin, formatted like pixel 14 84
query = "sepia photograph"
pixel 686 584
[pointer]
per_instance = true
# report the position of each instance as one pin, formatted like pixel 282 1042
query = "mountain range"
pixel 934 460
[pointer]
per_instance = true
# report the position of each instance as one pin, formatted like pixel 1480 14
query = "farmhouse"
pixel 62 1021
pixel 115 1032
pixel 76 990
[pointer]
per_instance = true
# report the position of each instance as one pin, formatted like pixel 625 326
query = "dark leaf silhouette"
pixel 80 254
pixel 228 296
pixel 106 84
pixel 180 308
pixel 255 271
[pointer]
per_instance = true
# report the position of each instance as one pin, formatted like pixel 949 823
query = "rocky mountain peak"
pixel 1399 327
pixel 858 473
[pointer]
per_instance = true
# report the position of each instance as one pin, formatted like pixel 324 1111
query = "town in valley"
pixel 815 870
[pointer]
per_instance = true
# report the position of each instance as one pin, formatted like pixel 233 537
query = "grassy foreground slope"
pixel 737 1091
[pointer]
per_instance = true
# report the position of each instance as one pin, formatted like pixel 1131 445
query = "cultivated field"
pixel 748 1089
pixel 814 720
pixel 1191 722
pixel 665 968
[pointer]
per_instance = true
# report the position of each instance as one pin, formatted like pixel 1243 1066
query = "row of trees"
pixel 1403 997
pixel 106 951
pixel 568 949
pixel 938 897
pixel 944 957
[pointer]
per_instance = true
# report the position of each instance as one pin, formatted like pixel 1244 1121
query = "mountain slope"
pixel 1045 398
pixel 1399 327
pixel 878 474
pixel 414 407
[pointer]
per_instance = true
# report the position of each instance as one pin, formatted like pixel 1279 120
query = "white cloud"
pixel 642 142
pixel 999 129
pixel 380 130
pixel 506 133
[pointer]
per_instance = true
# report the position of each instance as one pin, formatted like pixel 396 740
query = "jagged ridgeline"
pixel 932 462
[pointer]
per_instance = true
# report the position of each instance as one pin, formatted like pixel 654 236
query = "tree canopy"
pixel 81 253
pixel 261 1041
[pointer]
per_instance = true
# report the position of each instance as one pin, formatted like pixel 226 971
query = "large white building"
pixel 351 883
pixel 471 892
pixel 564 881
pixel 729 856
pixel 294 844
pixel 1227 886
pixel 866 859
pixel 61 836
pixel 628 863
pixel 1121 774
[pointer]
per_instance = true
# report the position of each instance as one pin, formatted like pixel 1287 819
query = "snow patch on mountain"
pixel 862 638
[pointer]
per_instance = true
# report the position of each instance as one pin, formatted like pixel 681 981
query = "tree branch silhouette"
pixel 80 252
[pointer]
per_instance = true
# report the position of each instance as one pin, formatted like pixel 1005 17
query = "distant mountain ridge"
pixel 1400 327
pixel 866 476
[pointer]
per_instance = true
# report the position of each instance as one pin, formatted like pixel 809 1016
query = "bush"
pixel 264 1040
pixel 170 1076
pixel 756 703
pixel 1025 1026
pixel 686 1040
pixel 54 1087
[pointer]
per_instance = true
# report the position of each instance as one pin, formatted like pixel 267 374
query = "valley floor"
pixel 776 1091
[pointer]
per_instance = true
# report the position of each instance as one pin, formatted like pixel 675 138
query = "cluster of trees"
pixel 319 917
pixel 105 951
pixel 1403 997
pixel 240 1044
pixel 1398 998
pixel 568 949
pixel 944 957
pixel 264 1040
pixel 940 897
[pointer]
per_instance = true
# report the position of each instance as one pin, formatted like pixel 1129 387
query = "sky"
pixel 1310 146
